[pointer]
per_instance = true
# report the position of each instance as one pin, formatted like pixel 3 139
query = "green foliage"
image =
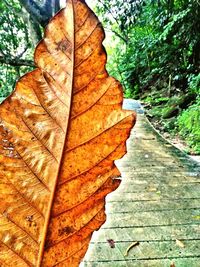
pixel 156 101
pixel 119 16
pixel 8 77
pixel 161 42
pixel 13 31
pixel 16 43
pixel 170 126
pixel 7 80
pixel 189 126
pixel 194 83
pixel 157 57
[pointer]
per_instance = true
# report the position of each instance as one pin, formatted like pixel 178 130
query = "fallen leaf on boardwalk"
pixel 179 243
pixel 197 217
pixel 152 189
pixel 60 132
pixel 158 192
pixel 111 242
pixel 130 247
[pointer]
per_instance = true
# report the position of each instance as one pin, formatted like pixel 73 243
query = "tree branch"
pixel 16 61
pixel 120 36
pixel 125 39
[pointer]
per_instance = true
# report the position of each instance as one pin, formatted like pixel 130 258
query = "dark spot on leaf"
pixel 66 230
pixel 64 46
pixel 29 219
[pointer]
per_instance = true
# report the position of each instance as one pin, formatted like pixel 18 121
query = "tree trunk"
pixel 16 61
pixel 41 12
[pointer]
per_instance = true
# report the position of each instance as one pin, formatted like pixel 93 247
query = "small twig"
pixel 120 36
pixel 130 247
pixel 116 20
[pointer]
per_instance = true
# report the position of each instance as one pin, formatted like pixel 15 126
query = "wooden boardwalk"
pixel 157 204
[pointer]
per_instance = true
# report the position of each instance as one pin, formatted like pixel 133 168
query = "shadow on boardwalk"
pixel 157 204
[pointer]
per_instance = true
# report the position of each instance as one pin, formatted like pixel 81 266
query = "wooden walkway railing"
pixel 157 205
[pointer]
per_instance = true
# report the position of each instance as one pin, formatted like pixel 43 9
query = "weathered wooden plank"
pixel 152 233
pixel 158 202
pixel 162 188
pixel 145 196
pixel 166 171
pixel 153 167
pixel 161 170
pixel 165 217
pixel 146 176
pixel 145 250
pixel 179 262
pixel 146 158
pixel 169 204
pixel 167 162
pixel 118 196
pixel 139 181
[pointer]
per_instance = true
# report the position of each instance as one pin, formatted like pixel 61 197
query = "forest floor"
pixel 153 218
pixel 174 139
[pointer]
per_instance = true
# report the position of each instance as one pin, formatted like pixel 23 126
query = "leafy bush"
pixel 8 78
pixel 194 83
pixel 159 46
pixel 189 126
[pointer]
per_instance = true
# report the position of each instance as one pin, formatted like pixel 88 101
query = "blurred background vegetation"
pixel 153 49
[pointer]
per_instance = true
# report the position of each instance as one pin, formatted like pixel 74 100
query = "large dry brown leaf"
pixel 60 132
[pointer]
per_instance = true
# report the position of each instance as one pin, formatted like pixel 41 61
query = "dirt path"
pixel 157 204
